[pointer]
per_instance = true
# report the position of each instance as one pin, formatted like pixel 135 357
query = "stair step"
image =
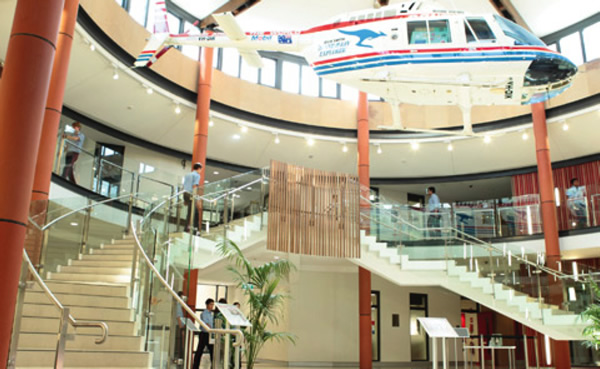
pixel 125 241
pixel 83 359
pixel 112 252
pixel 86 288
pixel 119 246
pixel 95 270
pixel 50 325
pixel 101 263
pixel 36 340
pixel 68 299
pixel 79 312
pixel 82 277
pixel 100 257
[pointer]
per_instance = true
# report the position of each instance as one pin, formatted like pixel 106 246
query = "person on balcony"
pixel 576 202
pixel 191 184
pixel 433 208
pixel 74 142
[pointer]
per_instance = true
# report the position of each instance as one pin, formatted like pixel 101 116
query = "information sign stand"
pixel 190 329
pixel 438 328
pixel 464 334
pixel 233 318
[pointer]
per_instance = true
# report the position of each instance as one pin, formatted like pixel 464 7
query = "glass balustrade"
pixel 226 207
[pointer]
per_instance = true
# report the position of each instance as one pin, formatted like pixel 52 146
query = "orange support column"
pixel 203 109
pixel 364 276
pixel 202 116
pixel 561 349
pixel 56 92
pixel 23 93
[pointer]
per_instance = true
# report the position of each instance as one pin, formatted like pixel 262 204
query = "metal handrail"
pixel 67 142
pixel 118 166
pixel 478 242
pixel 54 221
pixel 74 322
pixel 236 332
pixel 225 193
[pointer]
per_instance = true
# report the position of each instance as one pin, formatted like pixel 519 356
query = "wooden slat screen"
pixel 313 212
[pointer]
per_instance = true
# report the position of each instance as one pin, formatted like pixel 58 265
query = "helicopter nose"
pixel 549 70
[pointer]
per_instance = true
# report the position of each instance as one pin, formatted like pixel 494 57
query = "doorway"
pixel 419 344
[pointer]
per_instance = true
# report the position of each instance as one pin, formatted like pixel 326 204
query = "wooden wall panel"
pixel 313 212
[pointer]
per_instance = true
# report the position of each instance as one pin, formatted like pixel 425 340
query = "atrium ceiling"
pixel 542 17
pixel 125 105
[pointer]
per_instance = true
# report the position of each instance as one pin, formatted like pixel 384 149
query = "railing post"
pixel 86 228
pixel 99 174
pixel 14 339
pixel 59 358
pixel 262 198
pixel 539 287
pixel 177 212
pixel 129 215
pixel 61 149
pixel 225 217
pixel 133 279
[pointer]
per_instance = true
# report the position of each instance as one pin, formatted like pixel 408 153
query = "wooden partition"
pixel 313 212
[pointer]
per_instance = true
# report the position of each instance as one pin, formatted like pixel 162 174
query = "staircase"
pixel 388 263
pixel 94 287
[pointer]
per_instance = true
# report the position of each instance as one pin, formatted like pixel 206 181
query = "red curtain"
pixel 588 175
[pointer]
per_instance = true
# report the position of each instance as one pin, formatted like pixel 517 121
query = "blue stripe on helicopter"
pixel 365 65
pixel 426 55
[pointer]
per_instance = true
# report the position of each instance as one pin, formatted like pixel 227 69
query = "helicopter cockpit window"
pixel 517 33
pixel 439 32
pixel 481 29
pixel 429 32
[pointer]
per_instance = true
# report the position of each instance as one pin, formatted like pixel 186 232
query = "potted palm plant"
pixel 591 315
pixel 260 285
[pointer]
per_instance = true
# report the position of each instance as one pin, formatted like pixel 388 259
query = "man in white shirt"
pixel 433 208
pixel 576 202
pixel 191 182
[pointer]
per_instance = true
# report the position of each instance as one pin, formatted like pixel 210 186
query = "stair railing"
pixel 65 318
pixel 535 271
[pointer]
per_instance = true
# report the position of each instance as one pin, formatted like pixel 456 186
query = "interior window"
pixel 481 29
pixel 417 32
pixel 389 13
pixel 439 32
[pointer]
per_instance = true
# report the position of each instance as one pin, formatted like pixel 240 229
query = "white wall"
pixel 323 314
pixel 398 196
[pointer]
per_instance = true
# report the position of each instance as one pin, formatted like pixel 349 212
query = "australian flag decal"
pixel 284 39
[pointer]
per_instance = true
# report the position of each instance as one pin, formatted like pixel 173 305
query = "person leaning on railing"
pixel 74 144
pixel 191 183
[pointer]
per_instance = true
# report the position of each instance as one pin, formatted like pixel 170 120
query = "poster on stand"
pixel 233 315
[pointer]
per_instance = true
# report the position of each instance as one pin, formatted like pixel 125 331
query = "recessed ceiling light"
pixel 450 147
pixel 149 91
pixel 92 47
pixel 524 136
pixel 205 181
pixel 236 136
pixel 487 139
pixel 244 129
pixel 310 141
pixel 414 145
pixel 177 109
pixel 345 148
pixel 216 173
pixel 74 224
pixel 115 75
pixel 277 140
pixel 211 123
pixel 565 126
pixel 379 151
pixel 249 188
